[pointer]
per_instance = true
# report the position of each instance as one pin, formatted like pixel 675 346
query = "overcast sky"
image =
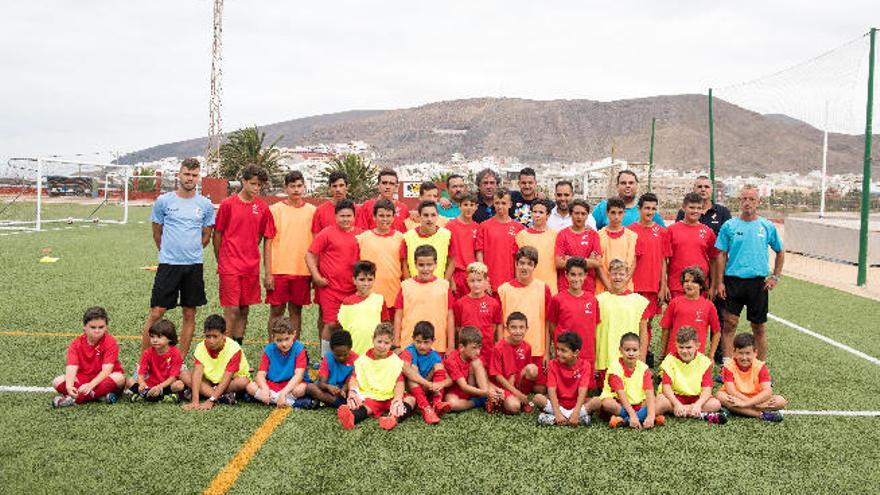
pixel 87 76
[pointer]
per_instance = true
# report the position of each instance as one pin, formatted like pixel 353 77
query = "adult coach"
pixel 521 201
pixel 628 191
pixel 744 261
pixel 182 223
pixel 487 184
pixel 560 215
pixel 713 214
pixel 455 188
pixel 387 186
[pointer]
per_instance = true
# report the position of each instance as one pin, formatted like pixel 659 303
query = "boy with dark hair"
pixel 325 214
pixel 568 380
pixel 687 382
pixel 463 245
pixel 575 310
pixel 159 368
pixel 748 390
pixel 387 186
pixel 93 369
pixel 617 242
pixel 336 367
pixel 425 374
pixel 376 387
pixel 470 382
pixel 282 378
pixel 543 239
pixel 330 259
pixel 496 241
pixel 428 192
pixel 362 311
pixel 425 298
pixel 243 221
pixel 582 241
pixel 691 310
pixel 480 310
pixel 288 282
pixel 428 233
pixel 690 243
pixel 628 391
pixel 652 257
pixel 512 369
pixel 220 369
pixel 382 246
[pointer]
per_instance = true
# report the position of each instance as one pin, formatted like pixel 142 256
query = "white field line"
pixel 825 339
pixel 23 389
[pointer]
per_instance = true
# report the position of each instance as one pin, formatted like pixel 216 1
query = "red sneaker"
pixel 493 406
pixel 346 417
pixel 443 408
pixel 617 421
pixel 660 420
pixel 387 422
pixel 430 415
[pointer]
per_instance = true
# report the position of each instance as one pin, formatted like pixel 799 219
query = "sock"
pixel 421 399
pixel 623 414
pixel 439 376
pixel 100 390
pixel 360 414
pixel 407 413
pixel 325 347
pixel 61 388
pixel 642 414
pixel 240 340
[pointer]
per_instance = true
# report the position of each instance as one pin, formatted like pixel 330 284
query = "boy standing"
pixel 362 311
pixel 289 284
pixel 748 390
pixel 336 367
pixel 575 310
pixel 690 243
pixel 427 233
pixel 649 277
pixel 687 382
pixel 617 242
pixel 621 312
pixel 282 377
pixel 543 239
pixel 582 241
pixel 428 191
pixel 464 238
pixel 425 298
pixel 568 379
pixel 512 369
pixel 480 310
pixel 243 221
pixel 496 241
pixel 325 213
pixel 382 246
pixel 93 369
pixel 220 369
pixel 387 185
pixel 690 310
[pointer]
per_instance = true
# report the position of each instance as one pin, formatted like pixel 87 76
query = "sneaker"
pixel 187 395
pixel 546 419
pixel 771 416
pixel 430 415
pixel 586 420
pixel 110 398
pixel 715 418
pixel 63 401
pixel 171 398
pixel 316 365
pixel 615 421
pixel 346 417
pixel 660 420
pixel 493 406
pixel 305 403
pixel 228 398
pixel 443 408
pixel 137 397
pixel 528 407
pixel 387 422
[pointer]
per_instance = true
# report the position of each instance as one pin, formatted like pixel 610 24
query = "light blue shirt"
pixel 452 212
pixel 182 221
pixel 746 246
pixel 630 216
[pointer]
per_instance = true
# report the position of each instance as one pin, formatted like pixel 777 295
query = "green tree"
pixel 245 146
pixel 361 177
pixel 440 178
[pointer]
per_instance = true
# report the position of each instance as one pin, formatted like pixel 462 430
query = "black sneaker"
pixel 228 398
pixel 772 416
pixel 110 398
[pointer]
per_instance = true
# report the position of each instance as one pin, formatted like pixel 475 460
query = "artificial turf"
pixel 159 448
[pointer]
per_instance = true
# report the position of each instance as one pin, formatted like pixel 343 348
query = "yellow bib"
pixel 376 378
pixel 361 320
pixel 440 241
pixel 687 378
pixel 215 367
pixel 746 382
pixel 633 385
pixel 620 314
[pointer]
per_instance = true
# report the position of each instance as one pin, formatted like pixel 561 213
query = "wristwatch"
pixel 774 277
pixel 212 399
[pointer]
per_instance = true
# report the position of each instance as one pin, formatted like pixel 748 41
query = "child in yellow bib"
pixel 220 370
pixel 687 382
pixel 621 311
pixel 747 389
pixel 628 391
pixel 361 312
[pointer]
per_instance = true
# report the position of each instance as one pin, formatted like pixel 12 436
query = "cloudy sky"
pixel 96 76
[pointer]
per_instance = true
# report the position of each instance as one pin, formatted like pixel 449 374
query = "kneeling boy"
pixel 687 381
pixel 220 369
pixel 336 367
pixel 747 388
pixel 425 374
pixel 568 380
pixel 470 383
pixel 282 377
pixel 628 392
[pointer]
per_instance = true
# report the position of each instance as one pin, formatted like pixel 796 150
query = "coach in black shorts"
pixel 744 262
pixel 182 224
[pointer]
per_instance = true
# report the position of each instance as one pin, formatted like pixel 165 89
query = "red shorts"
pixel 455 390
pixel 239 290
pixel 653 308
pixel 294 289
pixel 600 378
pixel 276 386
pixel 542 372
pixel 379 407
pixel 330 300
pixel 459 278
pixel 687 399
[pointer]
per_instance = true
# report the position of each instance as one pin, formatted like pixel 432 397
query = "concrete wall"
pixel 832 237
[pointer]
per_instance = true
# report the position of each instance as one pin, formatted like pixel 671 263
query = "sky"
pixel 92 77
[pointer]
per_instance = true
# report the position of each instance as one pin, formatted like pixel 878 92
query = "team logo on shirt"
pixel 511 231
pixel 577 374
pixel 702 233
pixel 585 241
pixel 198 211
pixel 484 307
pixel 699 315
pixel 655 231
pixel 761 232
pixel 255 209
pixel 520 353
pixel 587 309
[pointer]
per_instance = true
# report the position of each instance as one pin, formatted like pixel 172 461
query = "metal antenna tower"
pixel 215 127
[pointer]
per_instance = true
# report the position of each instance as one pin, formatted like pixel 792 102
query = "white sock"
pixel 325 347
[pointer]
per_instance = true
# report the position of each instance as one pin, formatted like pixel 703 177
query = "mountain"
pixel 569 130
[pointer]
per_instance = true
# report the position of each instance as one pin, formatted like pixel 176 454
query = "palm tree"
pixel 361 177
pixel 245 146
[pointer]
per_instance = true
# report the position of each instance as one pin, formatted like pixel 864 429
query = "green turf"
pixel 159 448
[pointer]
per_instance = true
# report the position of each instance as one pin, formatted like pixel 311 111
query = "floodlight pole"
pixel 866 173
pixel 711 147
pixel 651 155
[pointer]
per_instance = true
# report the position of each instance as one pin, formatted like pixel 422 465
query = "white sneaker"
pixel 546 419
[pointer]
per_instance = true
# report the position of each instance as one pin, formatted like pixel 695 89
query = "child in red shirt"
pixel 690 310
pixel 512 369
pixel 496 241
pixel 464 238
pixel 652 257
pixel 690 243
pixel 477 309
pixel 576 310
pixel 470 382
pixel 243 221
pixel 158 375
pixel 93 370
pixel 583 241
pixel 568 380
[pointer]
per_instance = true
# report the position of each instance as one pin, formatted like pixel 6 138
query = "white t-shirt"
pixel 558 222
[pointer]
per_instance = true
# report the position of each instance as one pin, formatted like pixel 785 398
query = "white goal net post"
pixel 38 192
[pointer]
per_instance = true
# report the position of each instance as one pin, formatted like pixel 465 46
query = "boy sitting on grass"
pixel 512 369
pixel 376 387
pixel 336 366
pixel 282 377
pixel 159 370
pixel 220 369
pixel 628 392
pixel 93 369
pixel 747 389
pixel 470 382
pixel 425 374
pixel 568 380
pixel 687 382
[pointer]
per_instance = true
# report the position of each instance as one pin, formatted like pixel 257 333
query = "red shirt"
pixel 399 302
pixel 509 360
pixel 483 313
pixel 651 248
pixel 497 241
pixel 464 240
pixel 576 314
pixel 616 382
pixel 233 364
pixel 355 299
pixel 763 374
pixel 242 225
pixel 699 313
pixel 324 369
pixel 90 358
pixel 364 217
pixel 586 245
pixel 301 362
pixel 706 381
pixel 688 245
pixel 337 252
pixel 567 380
pixel 159 367
pixel 456 366
pixel 325 216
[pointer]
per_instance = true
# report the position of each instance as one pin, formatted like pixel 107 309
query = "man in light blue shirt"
pixel 628 191
pixel 455 188
pixel 182 223
pixel 745 264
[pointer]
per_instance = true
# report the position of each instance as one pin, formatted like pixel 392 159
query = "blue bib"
pixel 424 363
pixel 339 372
pixel 282 367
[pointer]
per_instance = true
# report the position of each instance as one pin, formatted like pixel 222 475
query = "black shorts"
pixel 178 283
pixel 748 292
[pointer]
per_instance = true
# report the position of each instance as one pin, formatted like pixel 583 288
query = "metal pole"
pixel 651 155
pixel 125 204
pixel 866 173
pixel 711 147
pixel 39 191
pixel 824 165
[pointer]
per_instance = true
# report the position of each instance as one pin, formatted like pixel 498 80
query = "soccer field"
pixel 159 448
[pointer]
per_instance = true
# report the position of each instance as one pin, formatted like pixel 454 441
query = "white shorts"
pixel 566 412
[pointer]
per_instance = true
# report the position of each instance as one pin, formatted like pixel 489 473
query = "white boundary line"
pixel 23 389
pixel 825 339
pixel 807 412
